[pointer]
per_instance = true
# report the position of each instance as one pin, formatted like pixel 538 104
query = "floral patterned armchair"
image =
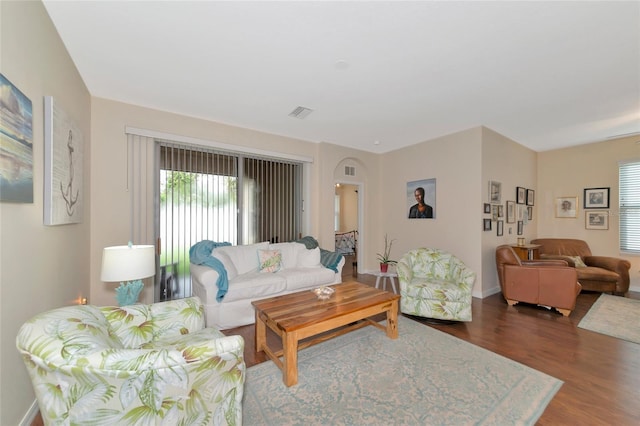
pixel 435 284
pixel 137 364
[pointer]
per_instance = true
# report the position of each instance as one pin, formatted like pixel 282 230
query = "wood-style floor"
pixel 601 374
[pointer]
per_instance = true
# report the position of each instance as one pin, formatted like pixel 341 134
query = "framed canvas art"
pixel 63 159
pixel 16 144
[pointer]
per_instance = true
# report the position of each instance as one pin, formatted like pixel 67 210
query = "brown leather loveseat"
pixel 550 283
pixel 595 273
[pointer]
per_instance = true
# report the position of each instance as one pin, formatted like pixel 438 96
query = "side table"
pixel 527 251
pixel 384 276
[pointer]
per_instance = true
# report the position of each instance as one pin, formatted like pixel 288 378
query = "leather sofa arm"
pixel 615 264
pixel 611 263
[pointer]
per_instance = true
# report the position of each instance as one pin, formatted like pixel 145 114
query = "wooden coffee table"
pixel 302 315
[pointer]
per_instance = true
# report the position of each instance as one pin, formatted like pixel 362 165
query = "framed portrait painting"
pixel 421 199
pixel 521 195
pixel 566 207
pixel 596 198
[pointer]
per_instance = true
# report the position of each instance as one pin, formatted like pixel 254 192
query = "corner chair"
pixel 435 284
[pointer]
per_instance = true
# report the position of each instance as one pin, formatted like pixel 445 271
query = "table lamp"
pixel 128 265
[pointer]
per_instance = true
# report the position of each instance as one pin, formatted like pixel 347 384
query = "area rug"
pixel 614 316
pixel 425 377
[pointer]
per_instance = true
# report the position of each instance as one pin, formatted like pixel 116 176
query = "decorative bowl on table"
pixel 324 292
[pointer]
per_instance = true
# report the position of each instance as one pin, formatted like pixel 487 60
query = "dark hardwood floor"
pixel 601 374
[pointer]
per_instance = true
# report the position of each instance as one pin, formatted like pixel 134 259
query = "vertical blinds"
pixel 629 183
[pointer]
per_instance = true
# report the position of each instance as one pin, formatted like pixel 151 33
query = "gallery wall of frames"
pixel 520 210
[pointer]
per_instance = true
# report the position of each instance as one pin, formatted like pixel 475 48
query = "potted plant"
pixel 385 257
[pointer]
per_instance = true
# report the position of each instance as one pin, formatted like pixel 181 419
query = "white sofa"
pixel 300 269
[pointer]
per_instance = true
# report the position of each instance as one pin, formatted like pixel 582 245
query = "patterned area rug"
pixel 425 377
pixel 614 316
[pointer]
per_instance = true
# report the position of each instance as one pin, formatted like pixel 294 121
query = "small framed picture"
pixel 511 212
pixel 530 197
pixel 521 195
pixel 520 227
pixel 495 191
pixel 487 208
pixel 500 228
pixel 596 198
pixel 566 206
pixel 529 213
pixel 486 224
pixel 597 220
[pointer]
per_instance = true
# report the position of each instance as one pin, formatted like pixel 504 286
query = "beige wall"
pixel 454 161
pixel 567 172
pixel 41 267
pixel 512 165
pixel 109 170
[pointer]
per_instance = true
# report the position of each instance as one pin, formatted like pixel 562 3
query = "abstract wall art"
pixel 16 144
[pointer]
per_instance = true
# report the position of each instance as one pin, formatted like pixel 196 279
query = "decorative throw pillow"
pixel 309 258
pixel 577 261
pixel 232 272
pixel 270 260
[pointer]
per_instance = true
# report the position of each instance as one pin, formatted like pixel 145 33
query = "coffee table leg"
pixel 261 334
pixel 290 358
pixel 392 320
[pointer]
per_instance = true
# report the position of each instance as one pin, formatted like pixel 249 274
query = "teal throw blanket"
pixel 329 259
pixel 200 254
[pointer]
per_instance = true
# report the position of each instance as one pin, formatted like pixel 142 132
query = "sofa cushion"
pixel 309 258
pixel 255 285
pixel 300 278
pixel 232 272
pixel 592 273
pixel 269 261
pixel 244 258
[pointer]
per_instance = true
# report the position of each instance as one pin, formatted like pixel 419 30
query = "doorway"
pixel 347 225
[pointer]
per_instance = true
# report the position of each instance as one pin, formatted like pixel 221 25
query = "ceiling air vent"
pixel 349 171
pixel 300 112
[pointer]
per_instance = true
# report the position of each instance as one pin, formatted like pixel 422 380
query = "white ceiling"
pixel 377 75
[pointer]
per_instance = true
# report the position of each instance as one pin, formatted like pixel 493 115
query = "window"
pixel 205 194
pixel 629 176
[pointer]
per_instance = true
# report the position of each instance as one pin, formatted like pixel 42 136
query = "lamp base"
pixel 127 293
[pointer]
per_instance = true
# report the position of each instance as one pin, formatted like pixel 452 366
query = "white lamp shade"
pixel 128 263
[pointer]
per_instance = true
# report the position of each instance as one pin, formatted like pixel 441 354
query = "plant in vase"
pixel 385 257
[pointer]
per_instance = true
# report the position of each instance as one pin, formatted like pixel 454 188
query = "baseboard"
pixel 31 414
